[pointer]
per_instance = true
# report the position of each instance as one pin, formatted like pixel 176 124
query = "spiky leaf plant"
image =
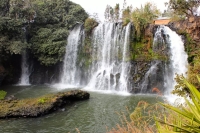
pixel 184 119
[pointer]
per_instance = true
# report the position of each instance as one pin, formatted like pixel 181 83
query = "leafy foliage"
pixel 126 13
pixel 42 26
pixel 116 12
pixel 49 45
pixel 193 71
pixel 141 17
pixel 184 7
pixel 109 14
pixel 186 119
pixel 90 24
pixel 12 39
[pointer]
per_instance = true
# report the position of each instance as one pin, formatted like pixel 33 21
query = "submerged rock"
pixel 36 107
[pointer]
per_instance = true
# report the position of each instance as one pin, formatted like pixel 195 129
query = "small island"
pixel 35 107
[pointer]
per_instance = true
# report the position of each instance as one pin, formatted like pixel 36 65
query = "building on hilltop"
pixel 162 21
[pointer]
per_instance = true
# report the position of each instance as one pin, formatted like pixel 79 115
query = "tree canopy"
pixel 184 7
pixel 41 26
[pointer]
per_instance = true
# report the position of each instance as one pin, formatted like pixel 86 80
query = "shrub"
pixel 90 24
pixel 2 94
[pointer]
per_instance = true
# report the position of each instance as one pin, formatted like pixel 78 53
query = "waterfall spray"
pixel 25 73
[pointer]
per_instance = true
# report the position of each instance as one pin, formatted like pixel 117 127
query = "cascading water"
pixel 110 67
pixel 147 79
pixel 70 76
pixel 165 37
pixel 178 59
pixel 24 80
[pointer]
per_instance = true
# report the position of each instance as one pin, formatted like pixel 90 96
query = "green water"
pixel 96 115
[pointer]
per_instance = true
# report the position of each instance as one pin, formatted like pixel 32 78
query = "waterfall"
pixel 110 67
pixel 25 73
pixel 178 59
pixel 166 38
pixel 70 75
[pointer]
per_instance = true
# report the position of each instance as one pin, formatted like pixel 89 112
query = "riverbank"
pixel 35 107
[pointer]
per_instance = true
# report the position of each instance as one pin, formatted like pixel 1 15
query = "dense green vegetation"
pixel 41 26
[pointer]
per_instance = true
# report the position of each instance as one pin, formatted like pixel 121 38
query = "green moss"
pixel 42 100
pixel 2 94
pixel 140 52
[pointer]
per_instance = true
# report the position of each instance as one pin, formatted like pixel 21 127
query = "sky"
pixel 98 6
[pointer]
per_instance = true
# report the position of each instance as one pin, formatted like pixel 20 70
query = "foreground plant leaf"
pixel 189 121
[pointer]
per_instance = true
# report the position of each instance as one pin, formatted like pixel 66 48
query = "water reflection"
pixel 91 116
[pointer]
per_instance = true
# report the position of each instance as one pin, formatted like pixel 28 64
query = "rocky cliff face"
pixel 41 74
pixel 10 71
pixel 190 26
pixel 145 77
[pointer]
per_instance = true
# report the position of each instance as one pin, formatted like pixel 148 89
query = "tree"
pixel 109 14
pixel 141 17
pixel 112 14
pixel 184 7
pixel 41 26
pixel 116 12
pixel 126 15
pixel 4 7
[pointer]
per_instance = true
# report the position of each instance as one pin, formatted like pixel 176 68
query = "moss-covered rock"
pixel 35 107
